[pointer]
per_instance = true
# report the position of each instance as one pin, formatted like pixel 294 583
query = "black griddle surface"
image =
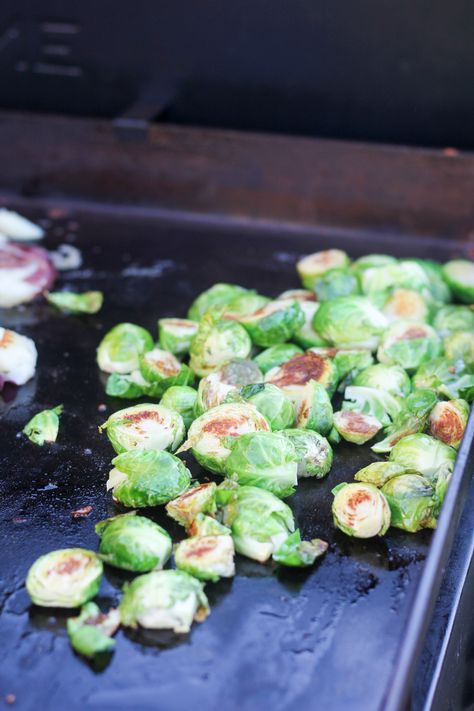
pixel 326 638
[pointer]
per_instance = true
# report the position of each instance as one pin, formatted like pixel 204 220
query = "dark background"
pixel 398 71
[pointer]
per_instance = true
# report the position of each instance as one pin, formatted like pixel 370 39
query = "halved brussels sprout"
pixel 406 305
pixel 424 454
pixel 391 379
pixel 380 281
pixel 296 553
pixel 64 578
pixel 276 355
pixel 451 379
pixel 130 386
pixel 298 295
pixel 378 473
pixel 18 356
pixel 134 543
pixel 370 401
pixel 44 426
pixel 371 261
pixel 91 632
pixel 206 557
pixel 204 525
pixel 215 387
pixel 459 275
pixel 217 295
pixel 272 403
pixel 176 334
pixel 90 302
pixel 198 499
pixel 207 434
pixel 146 426
pixel 356 427
pixel 315 410
pixel 360 510
pixel 313 451
pixel 181 399
pixel 243 306
pixel 306 336
pixel 216 343
pixel 409 344
pixel 147 478
pixel 163 369
pixel 293 376
pixel 314 266
pixel 264 459
pixel 412 418
pixel 448 421
pixel 120 348
pixel 167 599
pixel 411 501
pixel 460 345
pixel 338 282
pixel 275 322
pixel 450 319
pixel 350 321
pixel 259 520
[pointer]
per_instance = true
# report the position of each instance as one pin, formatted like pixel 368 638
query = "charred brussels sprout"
pixel 360 510
pixel 315 266
pixel 350 321
pixel 409 344
pixel 216 343
pixel 90 302
pixel 411 501
pixel 276 355
pixel 44 426
pixel 313 451
pixel 145 426
pixel 460 345
pixel 451 319
pixel 176 335
pixel 356 427
pixel 163 370
pixel 91 632
pixel 207 434
pixel 390 378
pixel 272 403
pixel 295 374
pixel 206 557
pixel 119 350
pixel 459 275
pixel 424 454
pixel 378 473
pixel 370 401
pixel 133 543
pixel 451 379
pixel 315 409
pixel 199 499
pixel 412 418
pixel 275 322
pixel 181 399
pixel 260 522
pixel 147 478
pixel 296 553
pixel 448 421
pixel 217 295
pixel 339 282
pixel 167 599
pixel 406 305
pixel 306 336
pixel 264 459
pixel 215 387
pixel 64 578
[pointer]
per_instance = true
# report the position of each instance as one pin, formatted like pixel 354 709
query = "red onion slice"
pixel 25 272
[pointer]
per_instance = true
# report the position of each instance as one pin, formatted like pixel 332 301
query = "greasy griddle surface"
pixel 326 638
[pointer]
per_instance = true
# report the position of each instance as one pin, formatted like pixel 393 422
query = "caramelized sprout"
pixel 360 510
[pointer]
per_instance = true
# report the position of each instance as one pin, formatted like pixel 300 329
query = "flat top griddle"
pixel 318 639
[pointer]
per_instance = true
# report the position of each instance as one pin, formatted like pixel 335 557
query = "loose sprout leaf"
pixel 449 378
pixel 91 632
pixel 44 426
pixel 89 302
pixel 296 553
pixel 378 473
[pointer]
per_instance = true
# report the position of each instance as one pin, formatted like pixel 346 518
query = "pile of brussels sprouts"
pixel 259 390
